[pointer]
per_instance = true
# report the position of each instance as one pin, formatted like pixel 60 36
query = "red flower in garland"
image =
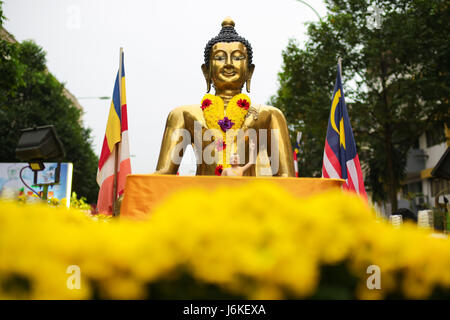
pixel 220 145
pixel 219 170
pixel 206 103
pixel 243 103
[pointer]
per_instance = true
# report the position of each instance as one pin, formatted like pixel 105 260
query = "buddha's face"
pixel 229 65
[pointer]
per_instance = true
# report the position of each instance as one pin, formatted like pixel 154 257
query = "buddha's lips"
pixel 228 74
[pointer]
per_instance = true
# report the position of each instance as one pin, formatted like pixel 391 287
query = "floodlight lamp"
pixel 37 166
pixel 38 144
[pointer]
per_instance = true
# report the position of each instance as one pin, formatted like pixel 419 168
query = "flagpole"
pixel 116 147
pixel 340 67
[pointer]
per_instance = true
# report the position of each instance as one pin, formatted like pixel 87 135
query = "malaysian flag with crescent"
pixel 340 159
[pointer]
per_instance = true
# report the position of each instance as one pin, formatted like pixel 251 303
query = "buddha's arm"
pixel 173 143
pixel 285 158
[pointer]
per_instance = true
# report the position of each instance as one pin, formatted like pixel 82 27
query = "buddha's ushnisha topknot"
pixel 227 34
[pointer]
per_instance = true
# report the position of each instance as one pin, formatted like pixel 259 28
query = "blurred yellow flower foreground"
pixel 254 242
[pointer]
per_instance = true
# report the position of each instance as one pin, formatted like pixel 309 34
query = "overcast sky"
pixel 163 43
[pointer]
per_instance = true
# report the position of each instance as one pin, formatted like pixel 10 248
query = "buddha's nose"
pixel 229 62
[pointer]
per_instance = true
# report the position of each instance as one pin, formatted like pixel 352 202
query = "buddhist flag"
pixel 115 141
pixel 340 159
pixel 297 152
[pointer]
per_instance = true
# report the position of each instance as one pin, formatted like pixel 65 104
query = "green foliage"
pixel 31 96
pixel 1 13
pixel 396 83
pixel 79 203
pixel 441 220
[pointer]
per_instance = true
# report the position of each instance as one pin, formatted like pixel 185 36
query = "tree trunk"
pixel 392 181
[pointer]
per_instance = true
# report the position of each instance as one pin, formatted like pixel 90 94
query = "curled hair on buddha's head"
pixel 227 34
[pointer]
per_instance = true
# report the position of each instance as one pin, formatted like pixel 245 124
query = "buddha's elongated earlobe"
pixel 247 85
pixel 251 68
pixel 207 75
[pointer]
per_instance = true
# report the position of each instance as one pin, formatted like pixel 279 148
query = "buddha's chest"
pixel 254 119
pixel 255 126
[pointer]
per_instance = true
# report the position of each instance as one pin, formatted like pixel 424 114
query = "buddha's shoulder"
pixel 186 110
pixel 195 109
pixel 269 110
pixel 263 107
pixel 187 107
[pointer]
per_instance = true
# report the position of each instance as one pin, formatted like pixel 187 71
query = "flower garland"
pixel 218 118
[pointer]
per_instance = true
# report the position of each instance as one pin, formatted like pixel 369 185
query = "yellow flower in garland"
pixel 213 109
pixel 218 118
pixel 237 109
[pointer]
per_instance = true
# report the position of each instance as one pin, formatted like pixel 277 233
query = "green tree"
pixel 396 83
pixel 31 96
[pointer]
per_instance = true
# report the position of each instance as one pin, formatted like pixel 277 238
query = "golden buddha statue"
pixel 228 67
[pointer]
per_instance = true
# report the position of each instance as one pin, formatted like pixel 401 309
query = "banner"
pixel 11 187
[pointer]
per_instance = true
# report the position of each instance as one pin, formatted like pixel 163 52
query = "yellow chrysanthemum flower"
pixel 256 241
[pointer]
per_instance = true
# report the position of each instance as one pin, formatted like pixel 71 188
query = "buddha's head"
pixel 228 60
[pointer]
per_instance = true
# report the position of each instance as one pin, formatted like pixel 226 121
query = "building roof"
pixel 442 168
